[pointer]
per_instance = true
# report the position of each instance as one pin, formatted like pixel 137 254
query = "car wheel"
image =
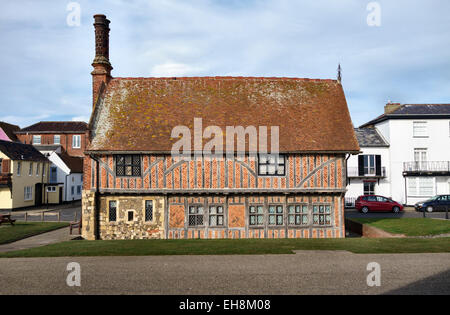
pixel 396 209
pixel 365 210
pixel 429 209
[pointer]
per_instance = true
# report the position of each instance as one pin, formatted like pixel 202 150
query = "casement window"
pixel 37 169
pixel 276 215
pixel 215 215
pixel 421 186
pixel 36 139
pixel 420 129
pixel 79 190
pixel 369 188
pixel 369 165
pixel 196 215
pixel 28 193
pixel 51 188
pixel 30 170
pixel 128 165
pixel 321 214
pixel 56 139
pixel 148 210
pixel 271 165
pixel 298 214
pixel 43 169
pixel 72 190
pixel 19 168
pixel 256 215
pixel 76 141
pixel 112 211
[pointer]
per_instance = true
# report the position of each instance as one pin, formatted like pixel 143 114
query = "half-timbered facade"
pixel 135 188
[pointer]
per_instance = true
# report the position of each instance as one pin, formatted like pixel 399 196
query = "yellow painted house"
pixel 23 175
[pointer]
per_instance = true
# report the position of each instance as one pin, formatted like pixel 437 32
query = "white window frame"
pixel 35 138
pixel 415 189
pixel 76 141
pixel 28 193
pixel 420 129
pixel 57 137
pixel 37 169
pixel 30 171
pixel 51 188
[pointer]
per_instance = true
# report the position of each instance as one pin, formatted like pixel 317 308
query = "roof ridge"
pixel 225 77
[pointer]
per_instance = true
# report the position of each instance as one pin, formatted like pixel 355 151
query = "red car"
pixel 375 203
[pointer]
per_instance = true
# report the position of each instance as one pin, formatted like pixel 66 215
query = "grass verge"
pixel 21 230
pixel 409 226
pixel 232 247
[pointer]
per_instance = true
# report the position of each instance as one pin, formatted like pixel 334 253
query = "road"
pixel 68 213
pixel 307 272
pixel 353 213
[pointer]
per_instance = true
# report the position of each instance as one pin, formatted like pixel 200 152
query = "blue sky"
pixel 45 64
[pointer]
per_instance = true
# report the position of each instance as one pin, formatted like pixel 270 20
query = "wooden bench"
pixel 6 218
pixel 76 224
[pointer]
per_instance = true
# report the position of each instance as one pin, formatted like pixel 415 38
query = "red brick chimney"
pixel 101 64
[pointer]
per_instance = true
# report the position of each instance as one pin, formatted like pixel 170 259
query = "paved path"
pixel 56 236
pixel 68 213
pixel 307 272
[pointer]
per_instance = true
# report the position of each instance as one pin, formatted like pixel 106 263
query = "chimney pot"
pixel 102 67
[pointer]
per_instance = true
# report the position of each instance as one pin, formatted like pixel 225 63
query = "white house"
pixel 65 175
pixel 367 173
pixel 418 162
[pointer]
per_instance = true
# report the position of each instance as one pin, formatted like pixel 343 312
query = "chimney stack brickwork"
pixel 101 64
pixel 391 107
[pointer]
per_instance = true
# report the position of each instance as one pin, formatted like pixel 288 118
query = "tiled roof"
pixel 74 163
pixel 20 151
pixel 138 114
pixel 414 111
pixel 423 109
pixel 9 130
pixel 56 126
pixel 369 137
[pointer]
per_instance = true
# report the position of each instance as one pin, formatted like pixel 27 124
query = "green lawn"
pixel 21 230
pixel 232 247
pixel 410 226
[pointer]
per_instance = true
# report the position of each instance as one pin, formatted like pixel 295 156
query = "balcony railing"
pixel 5 179
pixel 354 172
pixel 429 166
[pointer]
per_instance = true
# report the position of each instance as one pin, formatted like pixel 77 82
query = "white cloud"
pixel 174 70
pixel 80 118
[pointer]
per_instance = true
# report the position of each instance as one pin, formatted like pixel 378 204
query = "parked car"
pixel 437 203
pixel 375 203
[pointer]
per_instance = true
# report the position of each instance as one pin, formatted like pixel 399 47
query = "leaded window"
pixel 256 215
pixel 148 210
pixel 322 215
pixel 298 215
pixel 196 215
pixel 275 215
pixel 271 165
pixel 112 211
pixel 215 215
pixel 128 165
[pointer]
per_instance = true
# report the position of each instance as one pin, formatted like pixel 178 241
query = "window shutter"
pixel 361 165
pixel 6 166
pixel 378 165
